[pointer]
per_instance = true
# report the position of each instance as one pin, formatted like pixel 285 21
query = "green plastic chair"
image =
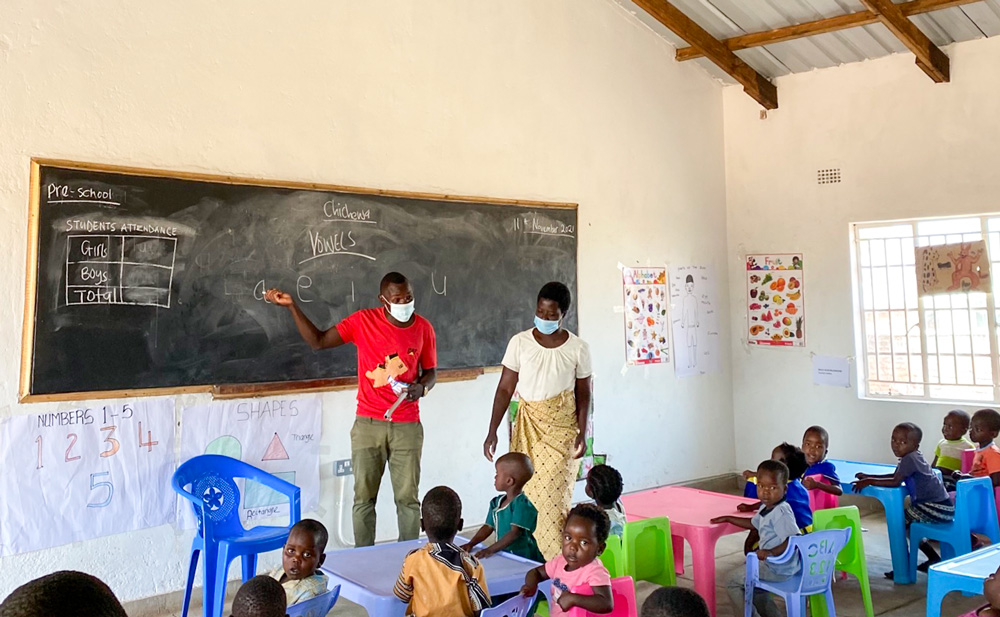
pixel 542 609
pixel 613 557
pixel 649 551
pixel 851 558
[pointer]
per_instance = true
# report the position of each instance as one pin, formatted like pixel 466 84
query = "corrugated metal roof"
pixel 728 18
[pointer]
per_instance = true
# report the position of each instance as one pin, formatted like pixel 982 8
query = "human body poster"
pixel 646 333
pixel 279 435
pixel 776 300
pixel 86 472
pixel 695 319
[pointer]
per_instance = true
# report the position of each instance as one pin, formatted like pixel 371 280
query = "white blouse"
pixel 542 372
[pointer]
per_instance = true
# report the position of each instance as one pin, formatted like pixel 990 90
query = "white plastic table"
pixel 965 573
pixel 367 575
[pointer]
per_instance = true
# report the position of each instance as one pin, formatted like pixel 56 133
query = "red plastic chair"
pixel 623 593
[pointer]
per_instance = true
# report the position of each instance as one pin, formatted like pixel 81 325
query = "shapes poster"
pixel 279 435
pixel 645 291
pixel 953 268
pixel 695 320
pixel 776 300
pixel 83 473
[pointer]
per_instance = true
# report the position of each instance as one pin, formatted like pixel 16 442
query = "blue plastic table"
pixel 892 501
pixel 965 573
pixel 367 575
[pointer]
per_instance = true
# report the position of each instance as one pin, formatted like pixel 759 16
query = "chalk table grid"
pixel 965 573
pixel 367 575
pixel 690 512
pixel 892 501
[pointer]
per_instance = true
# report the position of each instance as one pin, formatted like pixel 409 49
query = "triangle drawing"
pixel 275 450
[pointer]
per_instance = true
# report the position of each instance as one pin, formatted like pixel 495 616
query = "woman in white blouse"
pixel 550 369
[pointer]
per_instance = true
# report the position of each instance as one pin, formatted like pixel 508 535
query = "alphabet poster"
pixel 695 319
pixel 645 291
pixel 83 473
pixel 776 300
pixel 952 268
pixel 279 435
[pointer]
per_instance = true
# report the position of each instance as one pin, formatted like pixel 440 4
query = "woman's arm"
pixel 582 394
pixel 316 338
pixel 501 401
pixel 601 602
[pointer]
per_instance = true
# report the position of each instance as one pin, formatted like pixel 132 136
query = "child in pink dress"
pixel 584 536
pixel 991 589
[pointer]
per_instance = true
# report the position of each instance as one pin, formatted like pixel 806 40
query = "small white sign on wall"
pixel 831 371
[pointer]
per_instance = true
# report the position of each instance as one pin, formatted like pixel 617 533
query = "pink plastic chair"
pixel 967 457
pixel 623 592
pixel 818 500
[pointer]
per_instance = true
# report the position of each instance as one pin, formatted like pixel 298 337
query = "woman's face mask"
pixel 545 326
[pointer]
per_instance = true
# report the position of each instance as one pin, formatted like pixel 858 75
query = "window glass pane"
pixel 885 231
pixel 948 226
pixel 984 370
pixel 963 370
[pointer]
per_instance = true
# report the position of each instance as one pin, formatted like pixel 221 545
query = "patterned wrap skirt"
pixel 926 512
pixel 546 431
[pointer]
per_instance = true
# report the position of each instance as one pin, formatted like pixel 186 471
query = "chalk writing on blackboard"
pixel 119 269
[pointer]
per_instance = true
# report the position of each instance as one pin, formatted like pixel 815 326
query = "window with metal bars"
pixel 932 348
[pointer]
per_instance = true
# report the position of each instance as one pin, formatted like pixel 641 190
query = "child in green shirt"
pixel 512 515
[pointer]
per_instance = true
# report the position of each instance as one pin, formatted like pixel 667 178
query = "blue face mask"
pixel 545 326
pixel 401 312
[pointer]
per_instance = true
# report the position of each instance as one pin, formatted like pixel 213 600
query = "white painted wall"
pixel 907 148
pixel 567 100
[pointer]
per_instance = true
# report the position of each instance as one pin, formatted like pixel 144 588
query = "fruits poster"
pixel 646 323
pixel 953 267
pixel 776 300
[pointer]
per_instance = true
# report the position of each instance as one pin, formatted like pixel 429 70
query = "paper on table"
pixel 831 371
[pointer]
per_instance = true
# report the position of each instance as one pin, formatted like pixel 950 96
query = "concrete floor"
pixel 889 599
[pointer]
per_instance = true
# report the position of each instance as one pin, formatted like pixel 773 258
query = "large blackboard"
pixel 141 280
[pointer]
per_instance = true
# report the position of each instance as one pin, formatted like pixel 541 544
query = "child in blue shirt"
pixel 816 445
pixel 604 486
pixel 770 529
pixel 795 494
pixel 512 515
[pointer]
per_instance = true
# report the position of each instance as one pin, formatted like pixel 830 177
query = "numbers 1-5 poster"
pixel 83 473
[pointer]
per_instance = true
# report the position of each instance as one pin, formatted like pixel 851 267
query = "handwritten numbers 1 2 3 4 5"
pixel 106 484
pixel 149 443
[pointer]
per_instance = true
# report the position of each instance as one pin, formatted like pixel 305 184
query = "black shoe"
pixel 888 575
pixel 924 566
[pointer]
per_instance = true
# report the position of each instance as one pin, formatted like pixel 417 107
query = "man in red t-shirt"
pixel 397 363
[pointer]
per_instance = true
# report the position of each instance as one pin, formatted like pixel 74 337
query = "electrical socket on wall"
pixel 343 467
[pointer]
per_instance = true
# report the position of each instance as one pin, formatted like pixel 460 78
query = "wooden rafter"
pixel 821 26
pixel 754 84
pixel 929 58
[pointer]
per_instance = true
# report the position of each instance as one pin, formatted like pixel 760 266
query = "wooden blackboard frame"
pixel 219 390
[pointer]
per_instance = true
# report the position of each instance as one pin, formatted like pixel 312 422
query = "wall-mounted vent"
pixel 828 176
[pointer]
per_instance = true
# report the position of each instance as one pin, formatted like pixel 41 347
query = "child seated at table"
pixel 795 493
pixel 949 451
pixel 929 502
pixel 770 530
pixel 584 536
pixel 674 602
pixel 512 515
pixel 440 579
pixel 816 445
pixel 991 590
pixel 301 558
pixel 604 486
pixel 66 593
pixel 261 596
pixel 984 428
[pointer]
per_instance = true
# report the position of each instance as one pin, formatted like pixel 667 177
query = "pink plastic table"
pixel 690 511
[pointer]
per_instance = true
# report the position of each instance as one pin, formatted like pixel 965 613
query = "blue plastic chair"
pixel 975 512
pixel 215 498
pixel 518 606
pixel 818 554
pixel 315 607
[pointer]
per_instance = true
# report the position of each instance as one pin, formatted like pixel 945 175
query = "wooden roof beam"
pixel 754 84
pixel 821 26
pixel 930 58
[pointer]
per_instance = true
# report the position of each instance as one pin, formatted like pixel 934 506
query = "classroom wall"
pixel 567 100
pixel 907 148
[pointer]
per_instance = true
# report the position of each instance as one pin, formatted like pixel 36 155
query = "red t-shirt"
pixel 387 353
